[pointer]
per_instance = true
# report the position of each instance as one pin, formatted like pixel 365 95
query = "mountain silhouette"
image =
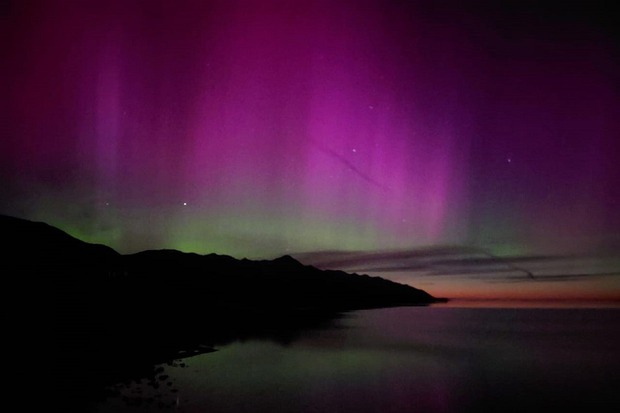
pixel 105 317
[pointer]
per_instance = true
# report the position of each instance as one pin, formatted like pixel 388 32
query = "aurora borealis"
pixel 259 128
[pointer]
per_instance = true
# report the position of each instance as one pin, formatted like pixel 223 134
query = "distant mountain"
pixel 127 312
pixel 207 279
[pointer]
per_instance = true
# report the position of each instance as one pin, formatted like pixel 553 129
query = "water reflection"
pixel 408 359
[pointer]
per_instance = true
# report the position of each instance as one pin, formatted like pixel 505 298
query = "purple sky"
pixel 258 128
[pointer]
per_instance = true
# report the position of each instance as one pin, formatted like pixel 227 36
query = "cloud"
pixel 464 262
pixel 349 165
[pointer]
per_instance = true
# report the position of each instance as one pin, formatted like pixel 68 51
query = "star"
pixel 184 203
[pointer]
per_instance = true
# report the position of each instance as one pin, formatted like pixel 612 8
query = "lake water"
pixel 406 359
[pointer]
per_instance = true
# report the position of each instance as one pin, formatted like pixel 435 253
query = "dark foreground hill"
pixel 101 317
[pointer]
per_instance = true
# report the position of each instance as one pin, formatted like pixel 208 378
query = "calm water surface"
pixel 406 359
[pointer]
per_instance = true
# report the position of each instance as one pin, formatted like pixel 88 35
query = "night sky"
pixel 378 131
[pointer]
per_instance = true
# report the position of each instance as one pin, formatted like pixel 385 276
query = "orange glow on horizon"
pixel 600 289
